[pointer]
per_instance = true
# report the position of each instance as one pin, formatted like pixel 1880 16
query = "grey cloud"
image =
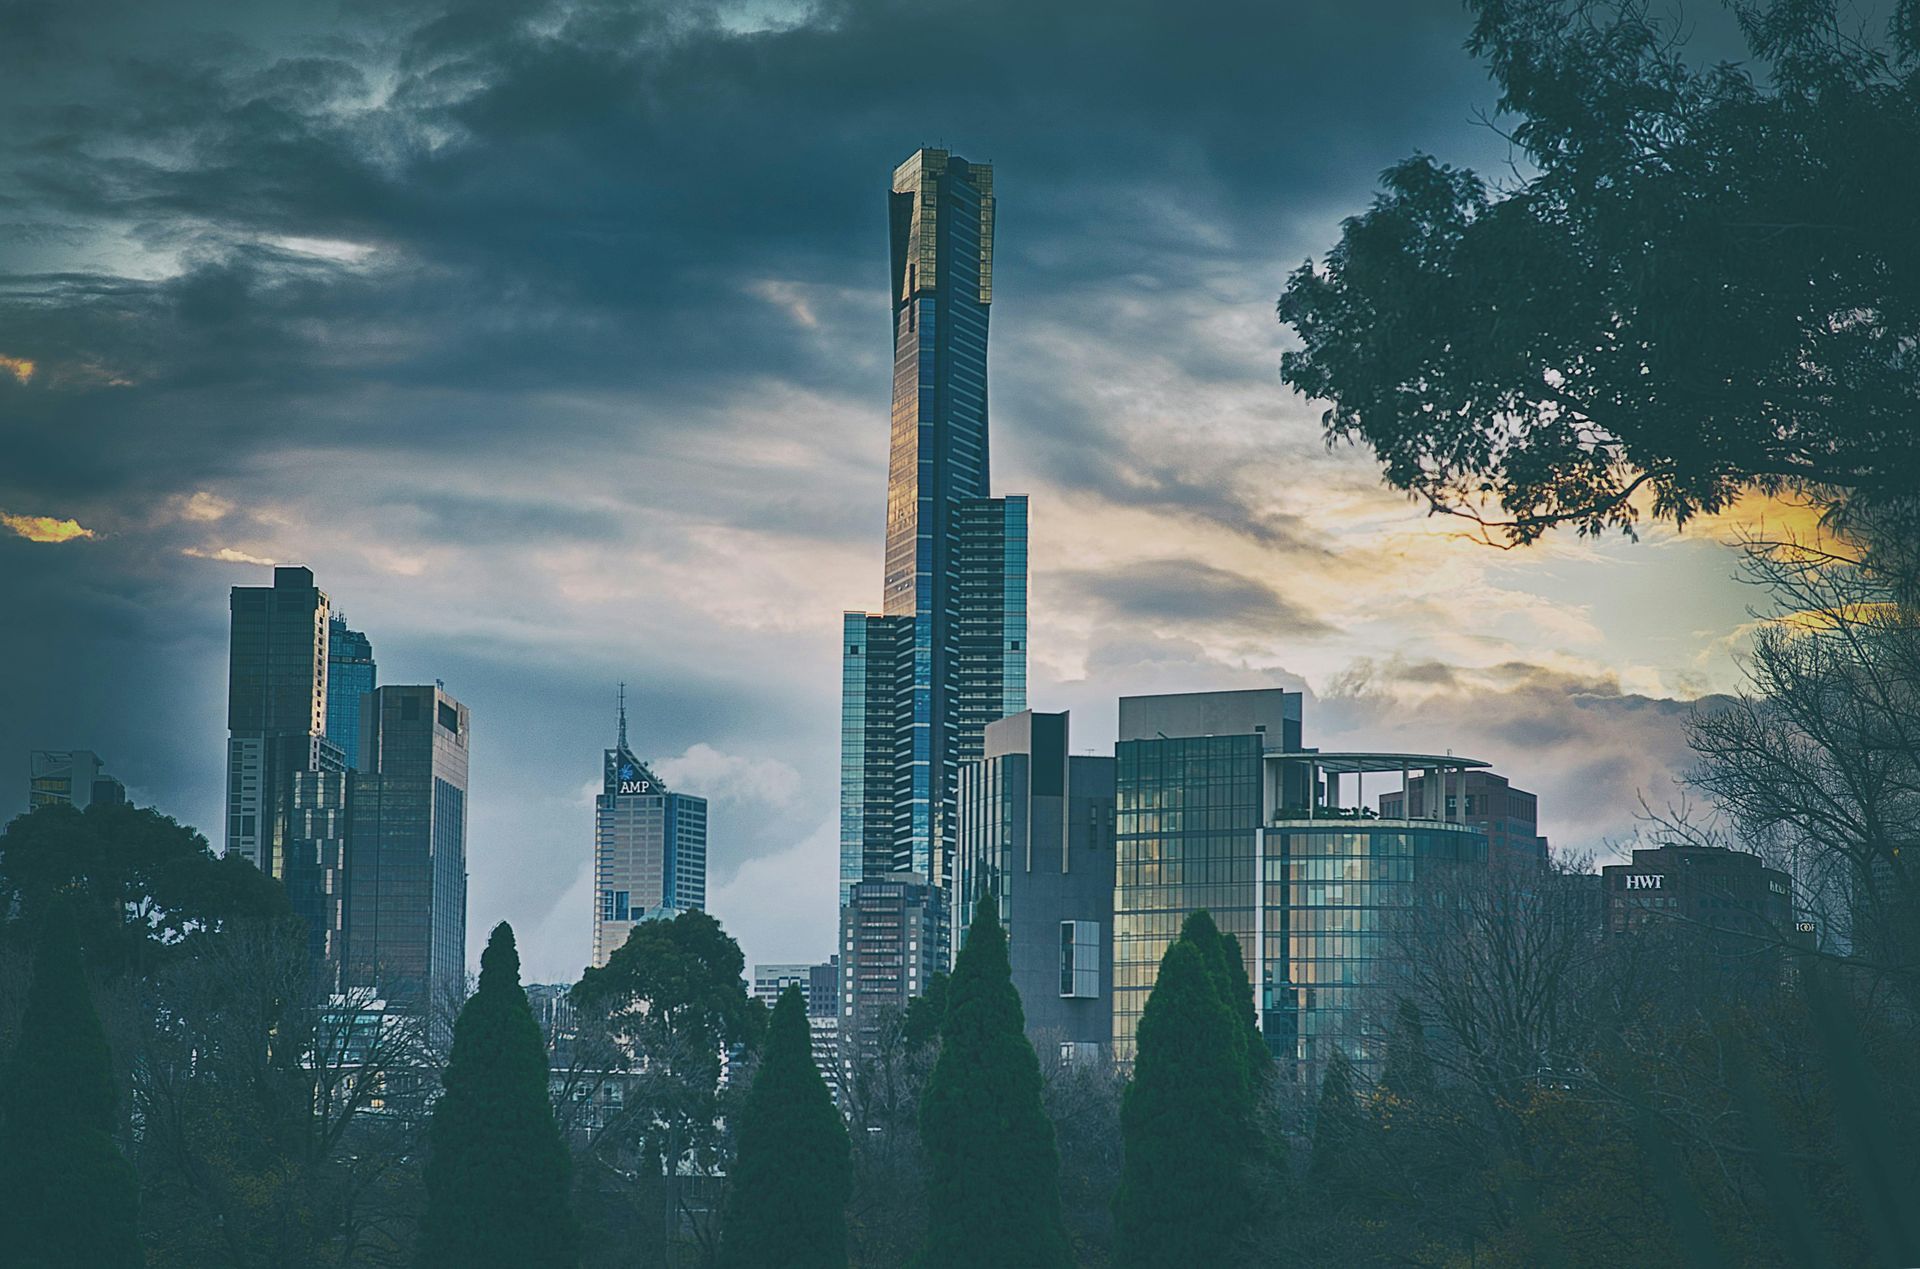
pixel 1181 592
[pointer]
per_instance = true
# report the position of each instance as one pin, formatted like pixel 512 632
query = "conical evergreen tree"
pixel 1186 1119
pixel 497 1170
pixel 792 1172
pixel 1222 952
pixel 1339 1128
pixel 992 1167
pixel 68 1198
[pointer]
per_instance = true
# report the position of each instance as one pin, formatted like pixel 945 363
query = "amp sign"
pixel 1644 880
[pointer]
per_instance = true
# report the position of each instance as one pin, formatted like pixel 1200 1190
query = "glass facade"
pixel 947 654
pixel 1187 818
pixel 276 709
pixel 1334 893
pixel 406 912
pixel 351 674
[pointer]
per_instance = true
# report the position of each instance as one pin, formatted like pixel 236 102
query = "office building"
pixel 351 674
pixel 825 1035
pixel 1035 831
pixel 317 831
pixel 888 949
pixel 1510 817
pixel 1730 895
pixel 276 712
pixel 947 653
pixel 1219 806
pixel 70 777
pixel 819 985
pixel 769 981
pixel 649 848
pixel 406 873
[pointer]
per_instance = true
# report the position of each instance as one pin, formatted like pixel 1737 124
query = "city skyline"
pixel 688 526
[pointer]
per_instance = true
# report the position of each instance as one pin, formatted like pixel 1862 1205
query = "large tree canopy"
pixel 143 886
pixel 1708 282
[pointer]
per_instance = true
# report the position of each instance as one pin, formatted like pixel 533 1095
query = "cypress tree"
pixel 68 1198
pixel 1222 953
pixel 1186 1120
pixel 1339 1128
pixel 497 1170
pixel 792 1172
pixel 992 1169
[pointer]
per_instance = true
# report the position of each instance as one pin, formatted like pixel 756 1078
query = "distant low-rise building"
pixel 70 777
pixel 1510 817
pixel 1729 892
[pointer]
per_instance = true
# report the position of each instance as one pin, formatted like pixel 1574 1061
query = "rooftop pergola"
pixel 1335 765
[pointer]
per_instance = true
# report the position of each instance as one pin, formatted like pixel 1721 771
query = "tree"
pixel 71 1199
pixel 1407 1074
pixel 991 1160
pixel 791 1172
pixel 1186 1119
pixel 926 1011
pixel 1710 281
pixel 1339 1128
pixel 657 1021
pixel 1222 952
pixel 497 1171
pixel 145 888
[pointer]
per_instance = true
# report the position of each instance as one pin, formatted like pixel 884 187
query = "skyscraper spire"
pixel 623 716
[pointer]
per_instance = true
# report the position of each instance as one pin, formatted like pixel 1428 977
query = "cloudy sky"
pixel 553 337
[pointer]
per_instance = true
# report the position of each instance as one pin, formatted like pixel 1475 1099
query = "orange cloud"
pixel 19 367
pixel 44 528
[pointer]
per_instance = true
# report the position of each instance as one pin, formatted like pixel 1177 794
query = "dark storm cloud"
pixel 1179 592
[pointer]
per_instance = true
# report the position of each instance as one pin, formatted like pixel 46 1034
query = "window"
pixel 1080 959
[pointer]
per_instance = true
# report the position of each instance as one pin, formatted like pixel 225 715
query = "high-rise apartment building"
pixel 649 848
pixel 947 654
pixel 351 674
pixel 70 777
pixel 406 853
pixel 1035 831
pixel 276 712
pixel 889 947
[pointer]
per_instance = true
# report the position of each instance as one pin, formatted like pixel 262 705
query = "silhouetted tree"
pixel 497 1170
pixel 1709 281
pixel 1186 1118
pixel 68 1199
pixel 991 1162
pixel 791 1173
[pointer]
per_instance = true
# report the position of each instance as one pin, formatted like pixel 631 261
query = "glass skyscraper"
pixel 406 874
pixel 947 653
pixel 649 849
pixel 351 674
pixel 276 712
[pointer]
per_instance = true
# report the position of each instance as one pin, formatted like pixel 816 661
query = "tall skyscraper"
pixel 276 712
pixel 406 873
pixel 947 653
pixel 70 777
pixel 351 674
pixel 649 848
pixel 1036 832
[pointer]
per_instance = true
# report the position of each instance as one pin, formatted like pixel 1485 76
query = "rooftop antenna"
pixel 623 715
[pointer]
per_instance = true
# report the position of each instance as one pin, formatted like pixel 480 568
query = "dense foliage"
pixel 68 1197
pixel 1187 1118
pixel 1706 280
pixel 992 1165
pixel 497 1170
pixel 791 1173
